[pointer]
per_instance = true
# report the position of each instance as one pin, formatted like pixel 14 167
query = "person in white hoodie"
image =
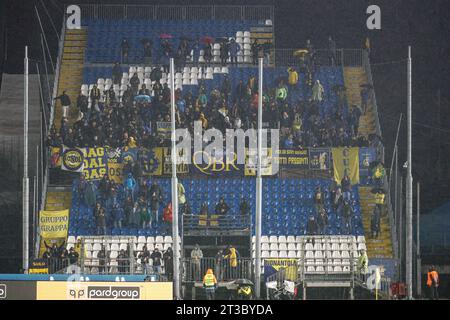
pixel 317 92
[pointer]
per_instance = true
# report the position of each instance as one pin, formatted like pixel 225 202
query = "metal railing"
pixel 343 57
pixel 171 12
pixel 195 222
pixel 194 270
pixel 323 268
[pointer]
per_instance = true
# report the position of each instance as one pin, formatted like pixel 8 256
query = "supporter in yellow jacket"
pixel 210 284
pixel 379 198
pixel 293 76
pixel 232 256
pixel 132 142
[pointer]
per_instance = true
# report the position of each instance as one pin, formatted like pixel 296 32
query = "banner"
pixel 95 162
pixel 346 161
pixel 203 163
pixel 115 167
pixel 72 290
pixel 366 157
pixel 72 159
pixel 251 162
pixel 152 161
pixel 53 227
pixel 293 159
pixel 38 266
pixel 129 155
pixel 319 159
pixel 55 158
pixel 287 266
pixel 164 129
pixel 53 224
pixel 182 161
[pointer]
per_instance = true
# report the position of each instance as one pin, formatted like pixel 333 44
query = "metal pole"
pixel 44 58
pixel 396 189
pixel 35 197
pixel 395 147
pixel 45 39
pixel 419 262
pixel 175 233
pixel 26 183
pixel 409 195
pixel 400 224
pixel 259 187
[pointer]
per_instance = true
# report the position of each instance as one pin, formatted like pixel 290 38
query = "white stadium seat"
pixel 283 254
pixel 274 254
pixel 141 239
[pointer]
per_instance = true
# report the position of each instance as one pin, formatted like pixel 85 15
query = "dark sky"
pixel 422 24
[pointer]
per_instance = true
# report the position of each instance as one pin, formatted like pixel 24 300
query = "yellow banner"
pixel 71 290
pixel 115 172
pixel 346 160
pixel 53 228
pixel 54 224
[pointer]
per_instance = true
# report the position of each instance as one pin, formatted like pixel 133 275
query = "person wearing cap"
pixel 210 284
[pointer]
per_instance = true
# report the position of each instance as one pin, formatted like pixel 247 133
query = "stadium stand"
pixel 288 201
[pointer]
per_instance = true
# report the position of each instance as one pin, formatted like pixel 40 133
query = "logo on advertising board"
pixel 3 291
pixel 103 292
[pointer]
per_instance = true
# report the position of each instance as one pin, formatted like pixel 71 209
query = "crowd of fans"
pixel 130 120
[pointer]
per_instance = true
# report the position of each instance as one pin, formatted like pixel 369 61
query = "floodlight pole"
pixel 409 191
pixel 419 260
pixel 259 186
pixel 173 153
pixel 26 182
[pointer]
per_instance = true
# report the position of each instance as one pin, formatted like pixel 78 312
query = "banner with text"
pixel 346 161
pixel 53 226
pixel 95 163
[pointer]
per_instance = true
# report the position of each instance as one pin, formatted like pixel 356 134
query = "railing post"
pixel 83 255
pixel 130 243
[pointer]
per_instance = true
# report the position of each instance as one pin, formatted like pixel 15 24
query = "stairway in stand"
pixel 71 72
pixel 58 198
pixel 354 77
pixel 382 246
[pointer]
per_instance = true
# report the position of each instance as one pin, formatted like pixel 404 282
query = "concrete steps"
pixel 354 77
pixel 71 71
pixel 58 200
pixel 382 246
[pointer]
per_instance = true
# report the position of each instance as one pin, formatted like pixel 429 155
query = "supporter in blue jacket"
pixel 130 186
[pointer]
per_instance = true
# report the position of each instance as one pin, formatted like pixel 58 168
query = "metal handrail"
pixel 214 222
pixel 223 269
pixel 172 12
